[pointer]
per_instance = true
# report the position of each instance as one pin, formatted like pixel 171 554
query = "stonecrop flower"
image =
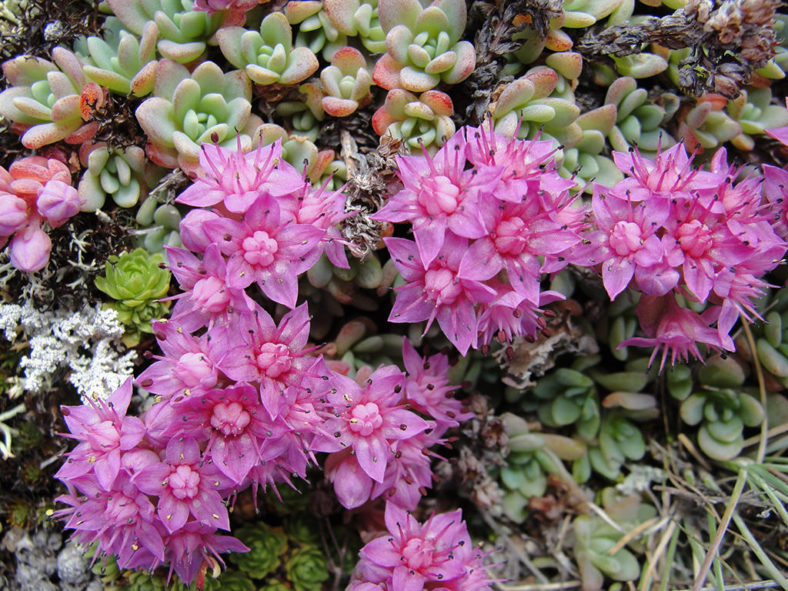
pixel 104 432
pixel 439 195
pixel 437 554
pixel 367 420
pixel 186 487
pixel 446 289
pixel 669 230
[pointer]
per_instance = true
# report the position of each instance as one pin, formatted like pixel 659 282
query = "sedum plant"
pixel 316 31
pixel 49 102
pixel 136 282
pixel 267 56
pixel 187 110
pixel 423 45
pixel 306 568
pixel 345 83
pixel 160 223
pixel 119 60
pixel 638 120
pixel 526 109
pixel 531 457
pixel 123 174
pixel 417 121
pixel 357 18
pixel 267 547
pixel 183 31
pixel 755 113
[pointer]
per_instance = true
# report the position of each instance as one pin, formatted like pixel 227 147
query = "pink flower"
pixel 447 289
pixel 260 351
pixel 30 247
pixel 677 330
pixel 511 315
pixel 196 545
pixel 235 424
pixel 267 248
pixel 368 419
pixel 413 556
pixel 237 180
pixel 13 213
pixel 427 387
pixel 104 432
pixel 439 195
pixel 186 486
pixel 57 202
pixel 189 364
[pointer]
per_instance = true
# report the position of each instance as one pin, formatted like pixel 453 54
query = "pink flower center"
pixel 230 418
pixel 510 236
pixel 441 287
pixel 274 359
pixel 439 195
pixel 626 238
pixel 103 436
pixel 184 482
pixel 259 249
pixel 418 553
pixel 210 294
pixel 192 369
pixel 365 419
pixel 695 238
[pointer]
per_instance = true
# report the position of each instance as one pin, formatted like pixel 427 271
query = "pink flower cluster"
pixel 670 230
pixel 266 226
pixel 490 216
pixel 34 190
pixel 377 441
pixel 145 504
pixel 242 400
pixel 413 556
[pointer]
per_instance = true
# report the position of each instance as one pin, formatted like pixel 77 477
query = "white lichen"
pixel 86 343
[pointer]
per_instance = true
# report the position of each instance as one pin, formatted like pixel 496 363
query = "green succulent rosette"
pixel 266 547
pixel 230 581
pixel 306 568
pixel 136 282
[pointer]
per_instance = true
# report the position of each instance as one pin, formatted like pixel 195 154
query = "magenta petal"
pixel 151 478
pixel 208 508
pixel 173 514
pixel 372 455
pixel 405 579
pixel 410 305
pixel 616 275
pixel 281 286
pixel 107 469
pixel 429 239
pixel 351 484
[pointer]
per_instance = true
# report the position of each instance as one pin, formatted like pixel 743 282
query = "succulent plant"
pixel 140 580
pixel 161 222
pixel 423 45
pixel 720 407
pixel 565 397
pixel 136 281
pixel 267 57
pixel 305 115
pixel 306 568
pixel 584 162
pixel 49 102
pixel 595 538
pixel 123 173
pixel 345 83
pixel 417 121
pixel 119 60
pixel 772 342
pixel 316 31
pixel 754 112
pixel 266 547
pixel 530 458
pixel 189 109
pixel 619 441
pixel 343 284
pixel 355 18
pixel 707 125
pixel 230 581
pixel 359 344
pixel 183 31
pixel 638 120
pixel 525 108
